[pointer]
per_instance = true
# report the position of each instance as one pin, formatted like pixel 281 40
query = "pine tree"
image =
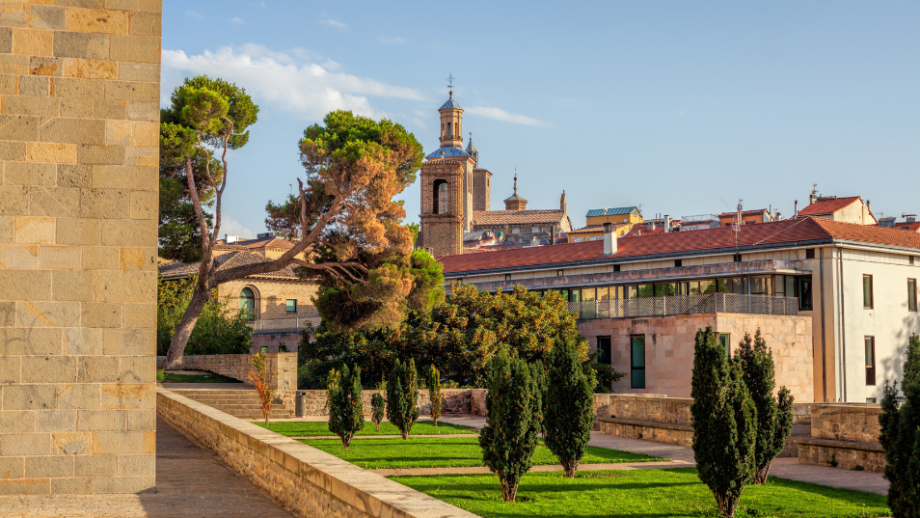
pixel 402 396
pixel 569 406
pixel 510 435
pixel 724 423
pixel 346 415
pixel 434 393
pixel 900 438
pixel 772 426
pixel 378 406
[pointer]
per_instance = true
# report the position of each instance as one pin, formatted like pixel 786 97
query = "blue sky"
pixel 682 107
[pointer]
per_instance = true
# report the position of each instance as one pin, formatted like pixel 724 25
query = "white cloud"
pixel 392 40
pixel 194 14
pixel 230 226
pixel 307 89
pixel 501 115
pixel 236 20
pixel 334 23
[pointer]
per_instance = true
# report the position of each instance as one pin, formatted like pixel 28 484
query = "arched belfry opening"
pixel 440 197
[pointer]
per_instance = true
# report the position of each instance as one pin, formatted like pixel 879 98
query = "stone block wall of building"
pixel 272 296
pixel 669 343
pixel 453 401
pixel 844 436
pixel 79 137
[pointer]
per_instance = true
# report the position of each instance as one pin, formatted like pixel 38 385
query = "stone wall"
pixel 453 401
pixel 845 436
pixel 79 144
pixel 238 366
pixel 305 481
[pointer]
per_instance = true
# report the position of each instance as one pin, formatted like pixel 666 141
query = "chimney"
pixel 911 218
pixel 813 197
pixel 552 235
pixel 795 214
pixel 667 223
pixel 651 225
pixel 562 204
pixel 610 240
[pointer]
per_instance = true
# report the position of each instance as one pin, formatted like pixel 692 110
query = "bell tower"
pixel 451 120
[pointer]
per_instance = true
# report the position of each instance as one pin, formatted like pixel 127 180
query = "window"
pixel 248 303
pixel 448 129
pixel 911 294
pixel 292 305
pixel 871 400
pixel 726 343
pixel 439 201
pixel 616 267
pixel 762 285
pixel 507 277
pixel 558 273
pixel 803 286
pixel 809 253
pixel 516 230
pixel 534 229
pixel 911 260
pixel 637 362
pixel 678 263
pixel 577 240
pixel 737 258
pixel 867 291
pixel 603 345
pixel 870 361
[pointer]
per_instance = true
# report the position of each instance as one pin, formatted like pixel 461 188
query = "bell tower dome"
pixel 451 123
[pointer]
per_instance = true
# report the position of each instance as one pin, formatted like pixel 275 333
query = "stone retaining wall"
pixel 453 401
pixel 238 366
pixel 307 482
pixel 844 436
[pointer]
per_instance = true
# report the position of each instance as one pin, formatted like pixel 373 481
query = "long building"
pixel 836 301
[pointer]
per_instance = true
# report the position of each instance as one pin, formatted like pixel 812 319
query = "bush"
pixel 724 423
pixel 261 376
pixel 774 421
pixel 569 406
pixel 161 375
pixel 378 405
pixel 434 392
pixel 346 413
pixel 510 435
pixel 900 437
pixel 402 396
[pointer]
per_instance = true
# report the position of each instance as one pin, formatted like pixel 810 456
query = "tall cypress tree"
pixel 774 422
pixel 434 392
pixel 569 406
pixel 724 423
pixel 346 413
pixel 510 435
pixel 402 396
pixel 900 437
pixel 538 373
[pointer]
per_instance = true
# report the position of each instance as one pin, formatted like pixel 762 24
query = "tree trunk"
pixel 761 476
pixel 186 326
pixel 727 504
pixel 570 468
pixel 266 418
pixel 509 490
pixel 435 422
pixel 405 435
pixel 377 426
pixel 346 442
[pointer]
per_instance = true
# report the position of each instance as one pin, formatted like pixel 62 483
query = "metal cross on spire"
pixel 450 83
pixel 515 180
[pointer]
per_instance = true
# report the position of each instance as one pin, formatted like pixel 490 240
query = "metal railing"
pixel 686 305
pixel 282 325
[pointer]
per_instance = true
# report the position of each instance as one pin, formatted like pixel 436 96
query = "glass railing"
pixel 686 305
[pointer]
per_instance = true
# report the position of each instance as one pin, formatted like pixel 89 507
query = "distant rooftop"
pixel 613 211
pixel 448 152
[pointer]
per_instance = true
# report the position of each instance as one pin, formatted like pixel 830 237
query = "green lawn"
pixel 318 429
pixel 645 493
pixel 445 452
pixel 171 377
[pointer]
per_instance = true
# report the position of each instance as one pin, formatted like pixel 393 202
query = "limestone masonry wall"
pixel 307 482
pixel 79 144
pixel 845 436
pixel 238 366
pixel 453 401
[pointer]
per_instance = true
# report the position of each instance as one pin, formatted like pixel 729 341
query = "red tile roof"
pixel 755 212
pixel 722 238
pixel 517 217
pixel 252 244
pixel 828 206
pixel 597 228
pixel 903 225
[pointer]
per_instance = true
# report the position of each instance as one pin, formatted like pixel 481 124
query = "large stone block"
pixel 83 341
pixel 29 486
pixel 96 466
pixel 97 369
pixel 129 232
pixel 33 230
pixel 81 45
pixel 89 68
pixel 52 467
pixel 65 257
pixel 144 205
pixel 100 258
pixel 122 484
pixel 46 17
pixel 56 421
pixel 72 486
pixel 101 420
pixel 130 342
pixel 18 128
pixel 78 88
pixel 73 285
pixel 136 465
pixel 49 369
pixel 48 314
pixel 77 396
pixel 30 341
pixel 105 315
pixel 27 173
pixel 131 91
pixel 129 396
pixel 36 106
pixel 110 443
pixel 137 369
pixel 77 232
pixel 71 443
pixel 138 72
pixel 14 200
pixel 74 131
pixel 97 21
pixel 140 316
pixel 27 397
pixel 108 155
pixel 10 369
pixel 11 422
pixel 105 203
pixel 11 467
pixel 33 42
pixel 61 202
pixel 135 49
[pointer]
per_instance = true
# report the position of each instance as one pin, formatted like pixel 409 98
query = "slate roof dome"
pixel 451 104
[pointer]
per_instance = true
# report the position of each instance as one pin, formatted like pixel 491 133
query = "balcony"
pixel 701 304
pixel 281 326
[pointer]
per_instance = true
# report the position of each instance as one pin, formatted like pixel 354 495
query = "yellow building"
pixel 622 218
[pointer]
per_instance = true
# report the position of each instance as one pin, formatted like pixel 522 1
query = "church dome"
pixel 451 104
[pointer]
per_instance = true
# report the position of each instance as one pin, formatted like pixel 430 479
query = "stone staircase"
pixel 243 404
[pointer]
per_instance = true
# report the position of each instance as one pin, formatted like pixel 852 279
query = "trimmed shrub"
pixel 402 396
pixel 378 406
pixel 346 415
pixel 510 435
pixel 774 420
pixel 434 391
pixel 569 406
pixel 900 437
pixel 724 423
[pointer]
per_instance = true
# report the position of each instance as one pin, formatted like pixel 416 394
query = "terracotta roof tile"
pixel 177 270
pixel 754 212
pixel 722 238
pixel 517 217
pixel 827 206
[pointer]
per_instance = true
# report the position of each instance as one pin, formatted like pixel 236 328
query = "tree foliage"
pixel 900 437
pixel 433 382
pixel 459 336
pixel 724 422
pixel 346 412
pixel 378 409
pixel 402 396
pixel 569 405
pixel 774 420
pixel 510 435
pixel 221 329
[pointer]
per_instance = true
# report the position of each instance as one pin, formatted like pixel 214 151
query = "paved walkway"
pixel 191 482
pixel 787 467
